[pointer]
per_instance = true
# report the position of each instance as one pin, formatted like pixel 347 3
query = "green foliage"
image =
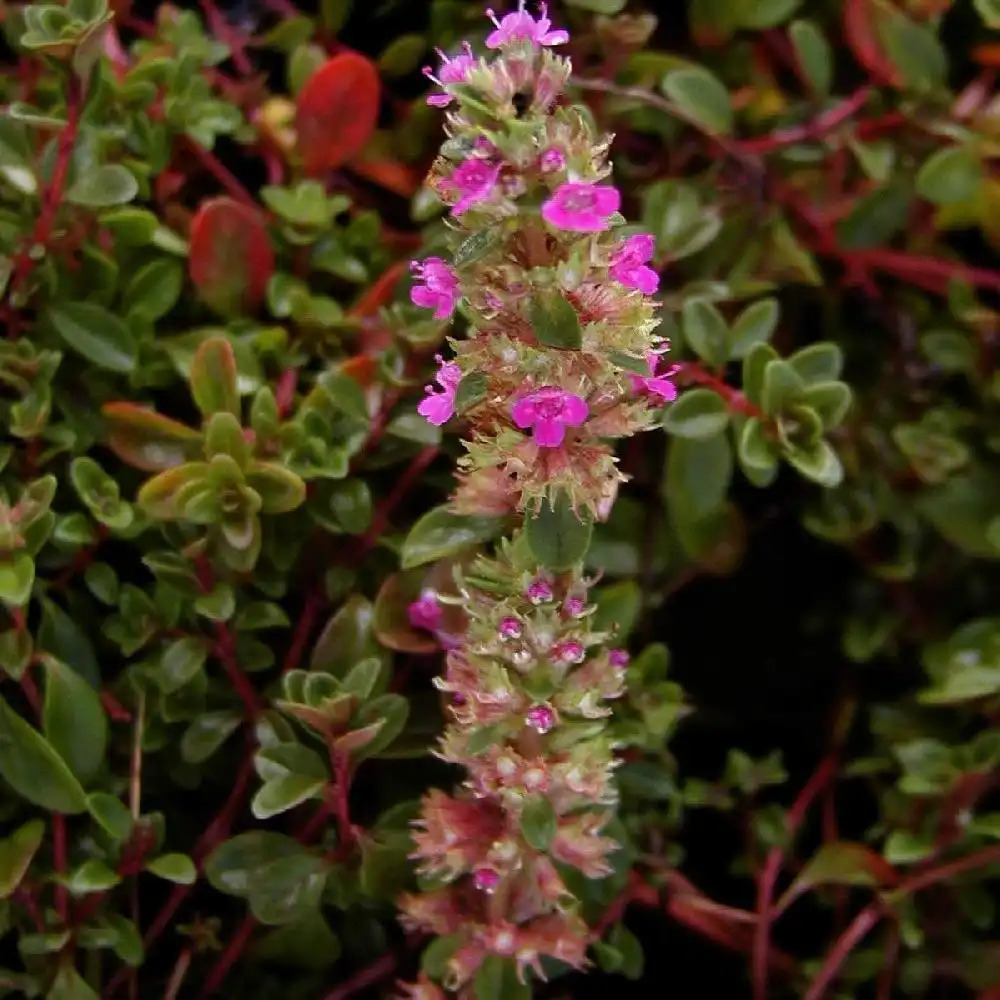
pixel 217 503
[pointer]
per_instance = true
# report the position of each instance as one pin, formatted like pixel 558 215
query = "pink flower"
pixel 541 718
pixel 510 628
pixel 439 290
pixel 485 879
pixel 552 159
pixel 522 27
pixel 438 407
pixel 425 612
pixel 618 658
pixel 581 208
pixel 574 606
pixel 474 180
pixel 453 70
pixel 570 651
pixel 656 385
pixel 549 411
pixel 539 591
pixel 628 264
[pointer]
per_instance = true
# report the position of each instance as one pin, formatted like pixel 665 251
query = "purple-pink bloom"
pixel 552 159
pixel 656 385
pixel 439 290
pixel 618 658
pixel 510 628
pixel 549 411
pixel 522 27
pixel 539 591
pixel 581 208
pixel 453 70
pixel 425 612
pixel 437 407
pixel 628 263
pixel 485 879
pixel 541 718
pixel 474 180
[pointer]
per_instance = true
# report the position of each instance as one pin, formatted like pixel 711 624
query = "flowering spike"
pixel 560 320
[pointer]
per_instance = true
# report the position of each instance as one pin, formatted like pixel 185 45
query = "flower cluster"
pixel 560 357
pixel 528 688
pixel 561 351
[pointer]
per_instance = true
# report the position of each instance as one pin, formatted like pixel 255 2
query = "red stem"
pixel 232 951
pixel 303 628
pixel 380 969
pixel 871 914
pixel 59 863
pixel 772 868
pixel 821 125
pixel 24 263
pixel 225 177
pixel 691 371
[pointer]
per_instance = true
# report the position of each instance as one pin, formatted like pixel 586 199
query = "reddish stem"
pixel 691 371
pixel 380 969
pixel 224 176
pixel 59 863
pixel 820 126
pixel 772 868
pixel 230 954
pixel 303 628
pixel 51 200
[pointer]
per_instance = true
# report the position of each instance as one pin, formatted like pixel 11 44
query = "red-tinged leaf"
pixel 213 378
pixel 147 440
pixel 160 496
pixel 380 291
pixel 395 177
pixel 336 111
pixel 842 863
pixel 231 259
pixel 861 32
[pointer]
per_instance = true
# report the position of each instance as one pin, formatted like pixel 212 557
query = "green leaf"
pixel 497 980
pixel 73 720
pixel 916 51
pixel 17 577
pixel 814 55
pixel 439 533
pixel 606 7
pixel 70 985
pixel 706 331
pixel 473 247
pixel 177 868
pixel 820 362
pixel 755 325
pixel 280 490
pixel 130 226
pixel 699 413
pixel 96 334
pixel 950 175
pixel 820 463
pixel 213 378
pixel 555 321
pixel 471 390
pixel 180 662
pixel 154 289
pixel 538 822
pixel 903 847
pixel 989 11
pixel 111 814
pixel 876 218
pixel 207 733
pixel 16 853
pixel 701 98
pixel 283 793
pixel 763 14
pixel 782 386
pixel 831 400
pixel 110 184
pixel 92 876
pixel 305 943
pixel 559 536
pixel 33 768
pixel 698 476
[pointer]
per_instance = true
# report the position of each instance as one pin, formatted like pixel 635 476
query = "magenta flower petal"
pixel 549 433
pixel 574 410
pixel 524 413
pixel 437 408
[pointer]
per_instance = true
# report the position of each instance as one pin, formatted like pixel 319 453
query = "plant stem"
pixel 231 952
pixel 59 863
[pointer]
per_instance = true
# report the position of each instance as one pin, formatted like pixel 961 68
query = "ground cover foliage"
pixel 246 554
